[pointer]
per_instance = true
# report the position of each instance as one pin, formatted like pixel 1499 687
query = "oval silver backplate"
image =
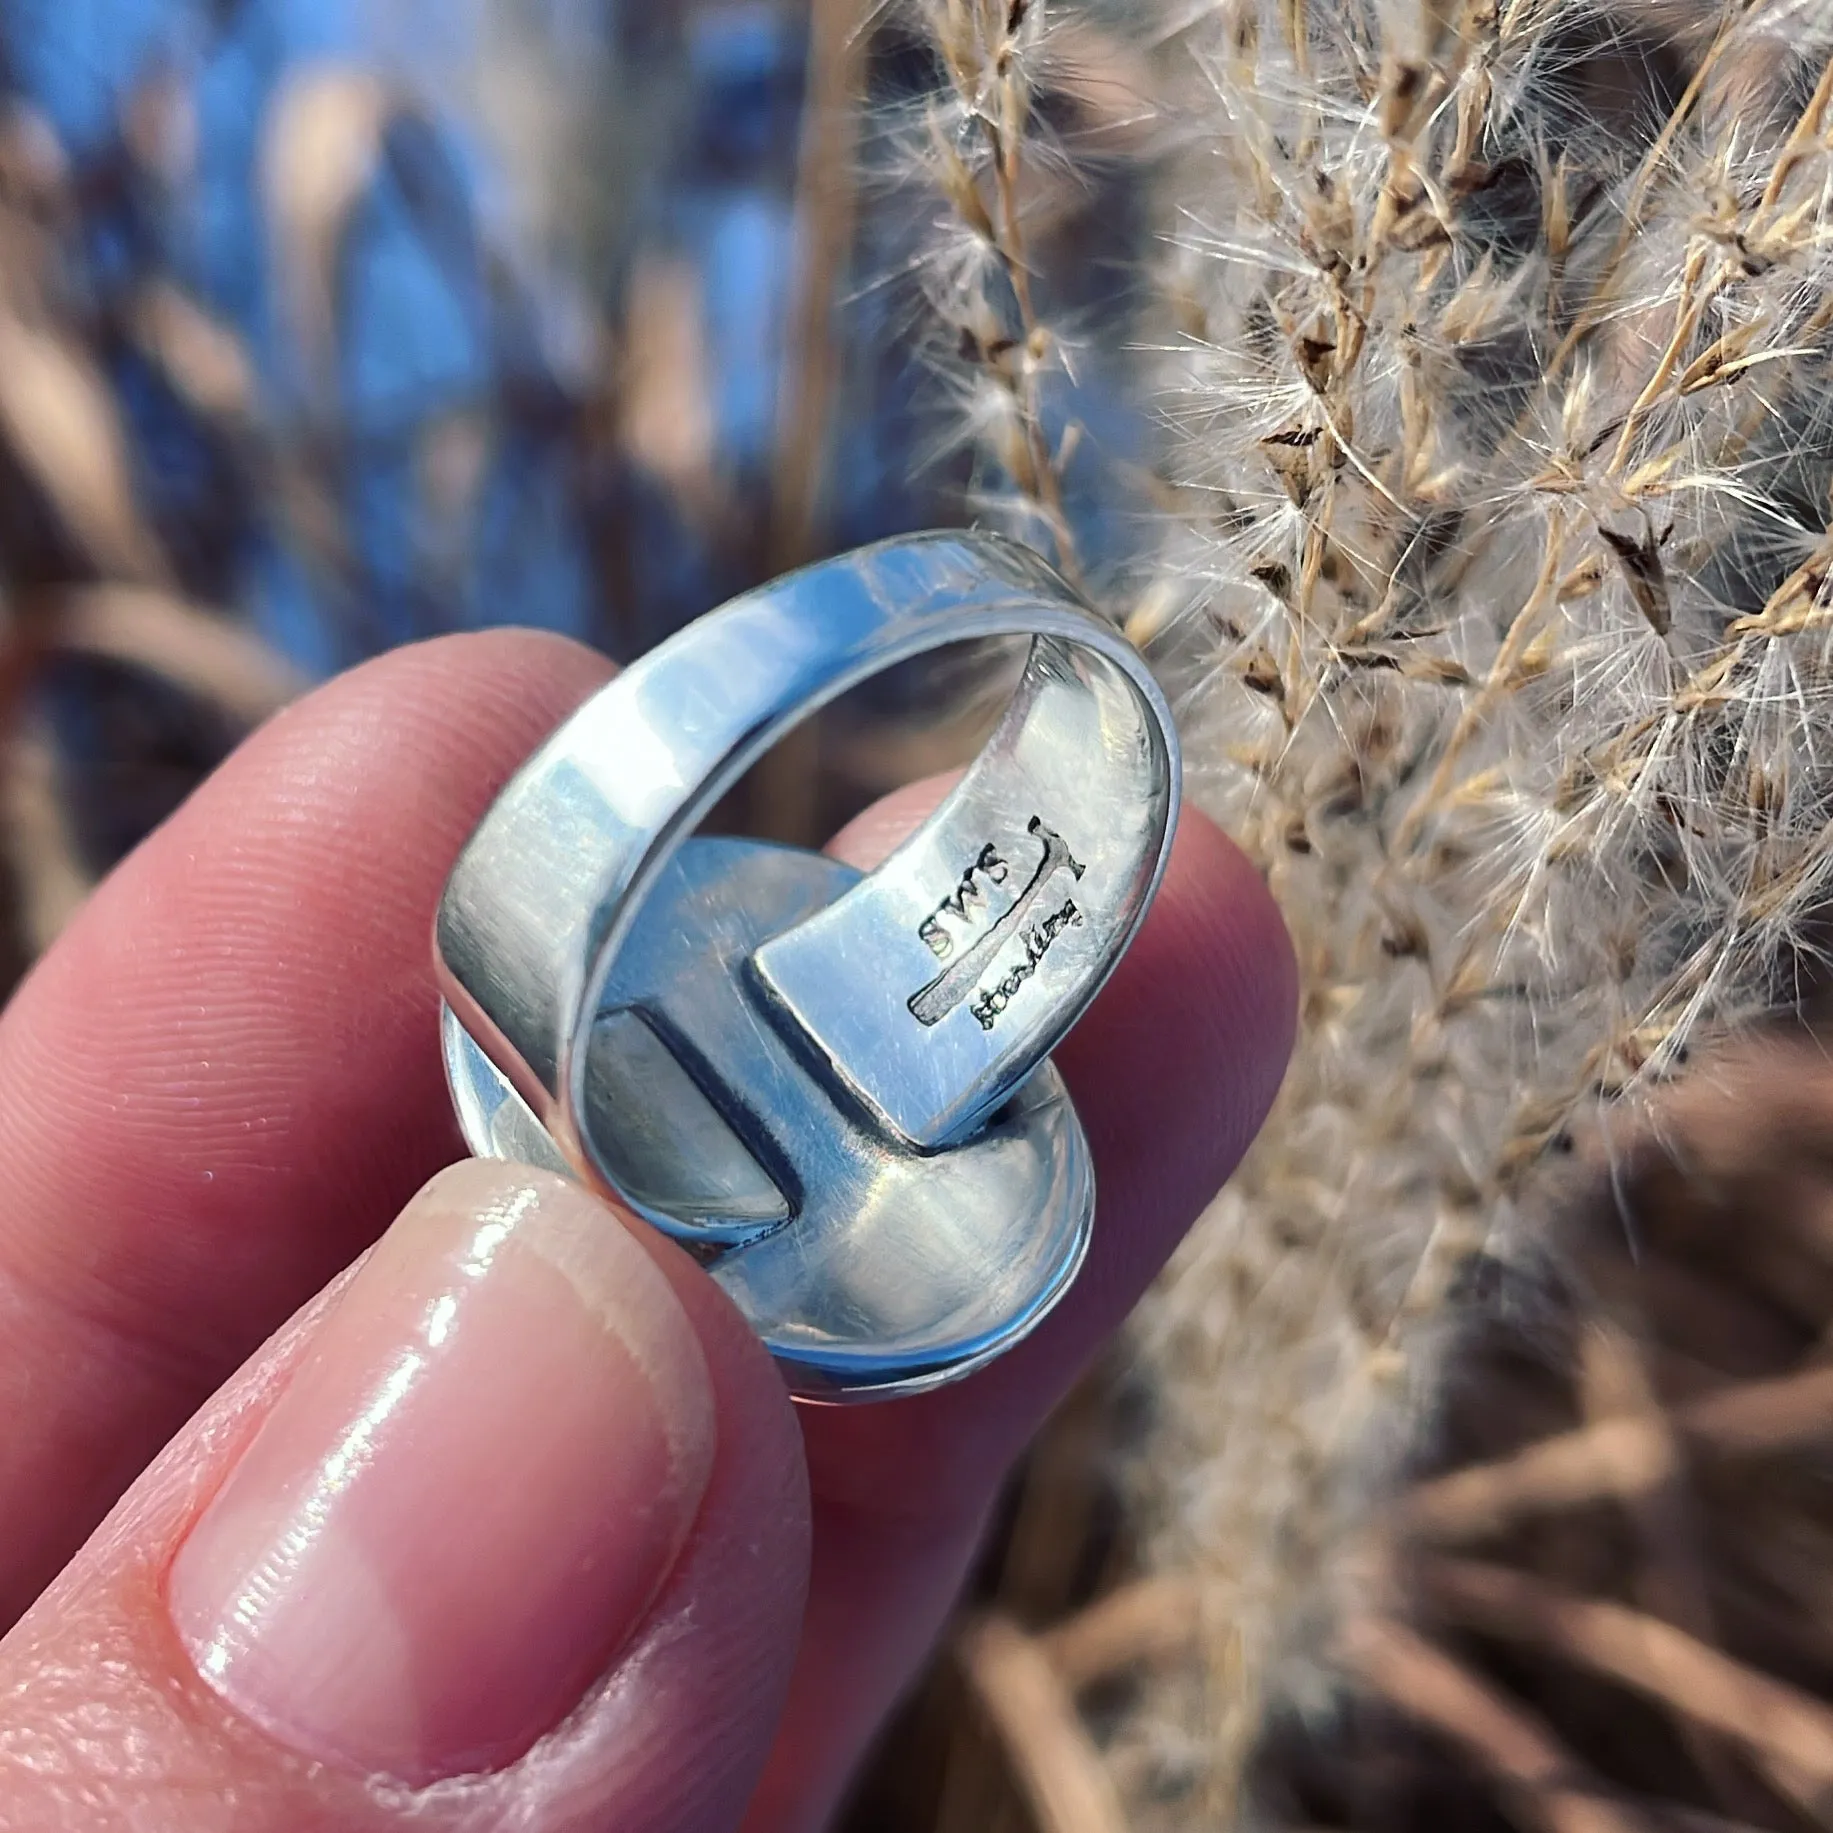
pixel 868 1266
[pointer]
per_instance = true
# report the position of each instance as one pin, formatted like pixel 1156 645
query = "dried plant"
pixel 1030 121
pixel 979 149
pixel 1494 574
pixel 86 580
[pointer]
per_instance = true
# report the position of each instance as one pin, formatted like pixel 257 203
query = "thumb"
pixel 508 1530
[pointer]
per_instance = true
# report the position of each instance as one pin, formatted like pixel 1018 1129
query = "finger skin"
pixel 224 1080
pixel 1172 1071
pixel 104 1722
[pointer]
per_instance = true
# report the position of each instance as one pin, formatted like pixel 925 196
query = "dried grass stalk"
pixel 57 417
pixel 1623 1457
pixel 49 878
pixel 1152 1620
pixel 1544 1784
pixel 1016 1686
pixel 321 142
pixel 988 155
pixel 1790 1730
pixel 222 663
pixel 1495 581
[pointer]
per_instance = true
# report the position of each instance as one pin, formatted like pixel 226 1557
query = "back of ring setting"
pixel 832 1088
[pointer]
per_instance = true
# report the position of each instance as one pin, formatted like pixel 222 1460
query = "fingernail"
pixel 468 1494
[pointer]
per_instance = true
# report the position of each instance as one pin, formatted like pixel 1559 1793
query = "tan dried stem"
pixel 1544 1785
pixel 50 878
pixel 1620 1457
pixel 1150 1621
pixel 1789 1731
pixel 320 144
pixel 826 206
pixel 984 46
pixel 222 663
pixel 1671 1580
pixel 59 419
pixel 1030 1708
pixel 785 784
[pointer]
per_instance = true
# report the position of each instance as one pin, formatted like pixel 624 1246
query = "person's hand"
pixel 512 1526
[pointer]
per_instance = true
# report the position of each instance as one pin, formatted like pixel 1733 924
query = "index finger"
pixel 225 1078
pixel 1172 1071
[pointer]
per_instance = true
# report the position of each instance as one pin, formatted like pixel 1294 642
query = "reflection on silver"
pixel 831 1088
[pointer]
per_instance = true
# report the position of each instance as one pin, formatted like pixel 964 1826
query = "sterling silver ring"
pixel 831 1087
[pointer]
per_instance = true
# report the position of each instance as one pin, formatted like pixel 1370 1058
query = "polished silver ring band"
pixel 827 1085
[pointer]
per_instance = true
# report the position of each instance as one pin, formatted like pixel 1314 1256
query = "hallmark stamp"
pixel 993 1000
pixel 989 868
pixel 930 1004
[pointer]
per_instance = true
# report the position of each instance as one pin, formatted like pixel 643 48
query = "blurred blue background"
pixel 450 338
pixel 416 315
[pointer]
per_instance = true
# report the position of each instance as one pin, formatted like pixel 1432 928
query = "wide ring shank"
pixel 886 985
